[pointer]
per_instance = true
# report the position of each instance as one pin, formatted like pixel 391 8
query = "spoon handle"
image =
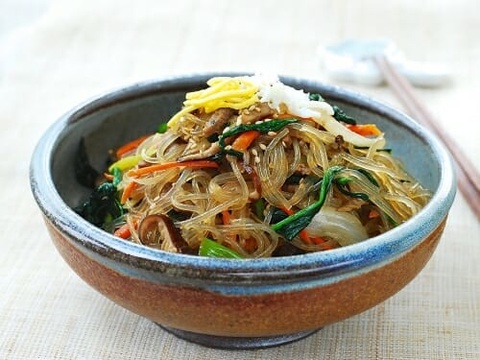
pixel 468 177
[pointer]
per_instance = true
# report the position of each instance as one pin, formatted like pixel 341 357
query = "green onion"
pixel 162 128
pixel 125 163
pixel 117 176
pixel 210 248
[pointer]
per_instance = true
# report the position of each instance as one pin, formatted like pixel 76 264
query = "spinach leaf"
pixel 338 113
pixel 263 127
pixel 84 172
pixel 102 207
pixel 293 224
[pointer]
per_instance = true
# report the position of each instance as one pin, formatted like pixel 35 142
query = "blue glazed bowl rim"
pixel 371 252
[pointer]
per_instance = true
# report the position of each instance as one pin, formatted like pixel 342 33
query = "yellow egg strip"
pixel 235 93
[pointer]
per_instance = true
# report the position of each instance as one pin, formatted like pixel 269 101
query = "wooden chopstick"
pixel 468 177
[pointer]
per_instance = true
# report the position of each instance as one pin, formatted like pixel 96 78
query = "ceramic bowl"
pixel 235 304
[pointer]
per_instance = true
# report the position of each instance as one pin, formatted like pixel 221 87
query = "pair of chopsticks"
pixel 468 177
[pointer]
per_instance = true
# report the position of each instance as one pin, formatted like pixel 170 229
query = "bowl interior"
pixel 126 114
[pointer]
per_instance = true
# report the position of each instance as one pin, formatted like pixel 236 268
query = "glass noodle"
pixel 261 169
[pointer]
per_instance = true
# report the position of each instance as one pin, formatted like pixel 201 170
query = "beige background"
pixel 55 54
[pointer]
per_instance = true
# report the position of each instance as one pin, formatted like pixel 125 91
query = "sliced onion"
pixel 343 227
pixel 336 128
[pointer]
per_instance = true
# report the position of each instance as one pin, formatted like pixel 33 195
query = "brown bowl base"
pixel 238 343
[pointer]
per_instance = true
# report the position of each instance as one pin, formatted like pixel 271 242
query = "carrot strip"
pixel 122 150
pixel 226 218
pixel 250 245
pixel 107 176
pixel 123 231
pixel 158 167
pixel 304 236
pixel 244 140
pixel 365 129
pixel 317 240
pixel 328 245
pixel 128 191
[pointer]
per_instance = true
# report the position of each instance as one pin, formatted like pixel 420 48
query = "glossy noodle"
pixel 250 167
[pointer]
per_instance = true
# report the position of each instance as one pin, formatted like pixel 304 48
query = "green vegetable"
pixel 368 176
pixel 259 207
pixel 293 224
pixel 356 195
pixel 343 181
pixel 117 176
pixel 315 97
pixel 162 128
pixel 102 207
pixel 210 248
pixel 264 128
pixel 125 163
pixel 338 113
pixel 84 172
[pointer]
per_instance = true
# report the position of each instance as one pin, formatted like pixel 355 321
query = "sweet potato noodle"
pixel 250 167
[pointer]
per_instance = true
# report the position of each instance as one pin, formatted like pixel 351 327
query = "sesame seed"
pixel 226 129
pixel 272 133
pixel 228 147
pixel 257 160
pixel 267 120
pixel 263 146
pixel 258 122
pixel 254 152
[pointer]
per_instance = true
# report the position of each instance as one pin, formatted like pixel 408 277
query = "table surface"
pixel 54 55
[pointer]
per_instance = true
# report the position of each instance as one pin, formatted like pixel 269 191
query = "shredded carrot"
pixel 226 218
pixel 168 165
pixel 122 150
pixel 250 245
pixel 287 210
pixel 305 237
pixel 123 231
pixel 317 240
pixel 107 176
pixel 244 140
pixel 365 129
pixel 128 191
pixel 327 245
